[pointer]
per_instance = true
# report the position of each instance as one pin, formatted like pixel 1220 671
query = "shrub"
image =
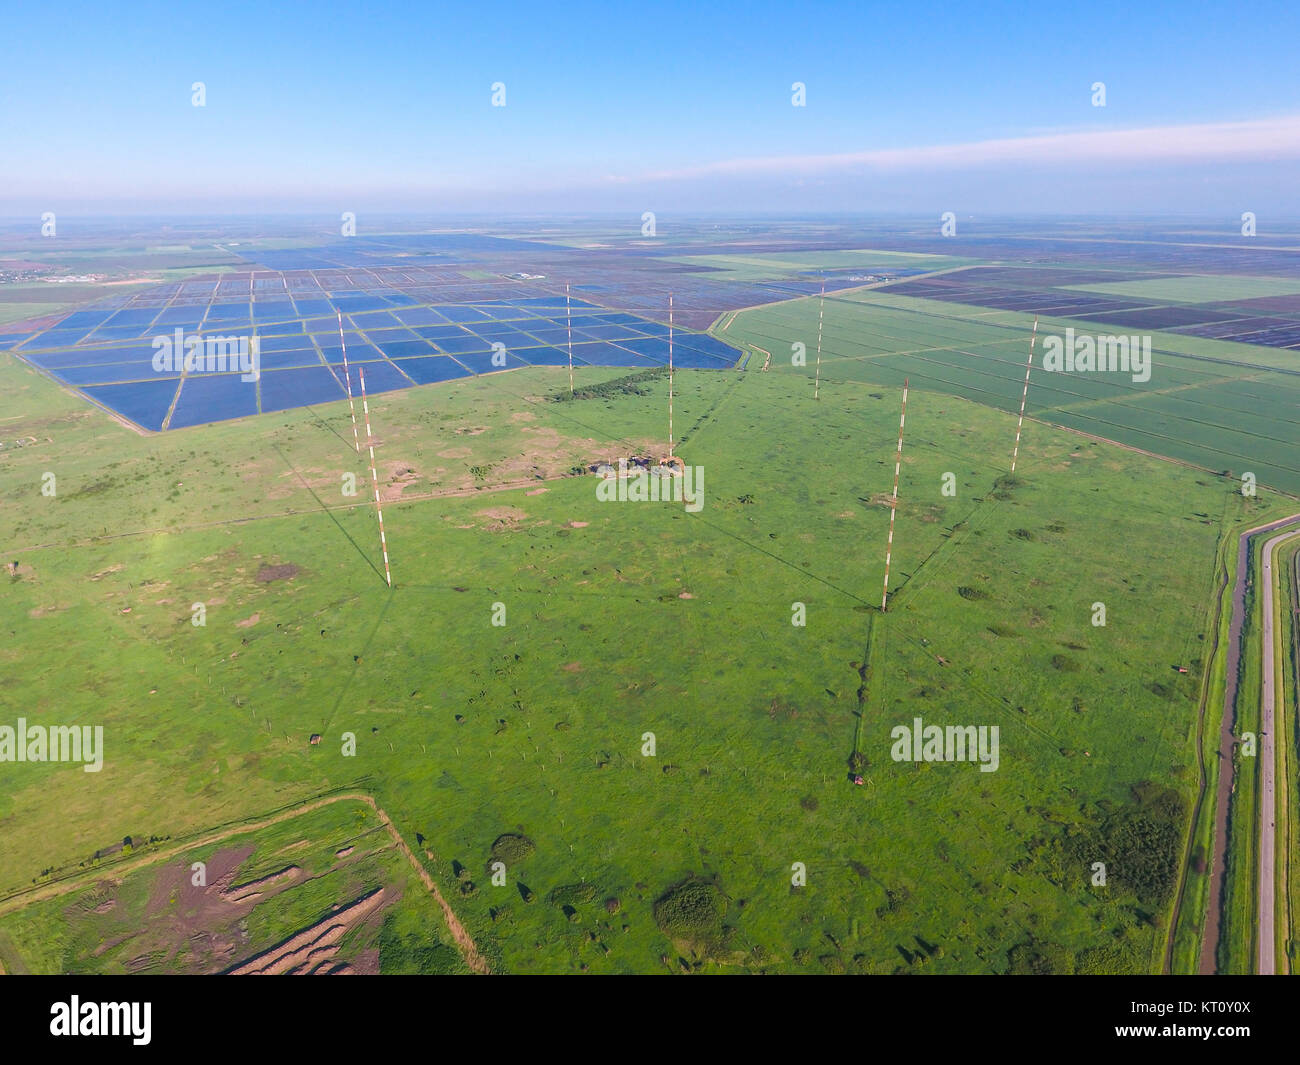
pixel 413 954
pixel 691 912
pixel 511 848
pixel 570 894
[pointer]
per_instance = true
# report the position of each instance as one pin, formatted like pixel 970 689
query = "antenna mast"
pixel 893 504
pixel 1015 452
pixel 821 310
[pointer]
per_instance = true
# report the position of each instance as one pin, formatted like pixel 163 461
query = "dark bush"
pixel 511 848
pixel 691 912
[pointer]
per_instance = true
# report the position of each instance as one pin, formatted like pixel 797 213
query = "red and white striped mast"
pixel 821 310
pixel 374 475
pixel 670 376
pixel 568 318
pixel 1024 395
pixel 347 377
pixel 893 504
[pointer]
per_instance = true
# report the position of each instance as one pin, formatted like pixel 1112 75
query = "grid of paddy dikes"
pixel 107 352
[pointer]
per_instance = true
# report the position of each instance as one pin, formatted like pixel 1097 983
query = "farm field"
pixel 1198 289
pixel 1224 407
pixel 762 266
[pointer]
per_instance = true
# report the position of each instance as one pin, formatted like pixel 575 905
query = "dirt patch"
pixel 509 515
pixel 174 887
pixel 255 889
pixel 46 611
pixel 537 491
pixel 578 524
pixel 203 956
pixel 313 950
pixel 248 622
pixel 685 595
pixel 283 572
pixel 471 430
pixel 286 484
pixel 190 927
pixel 572 667
pixel 456 453
pixel 523 416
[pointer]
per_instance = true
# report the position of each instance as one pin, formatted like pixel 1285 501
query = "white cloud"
pixel 1271 138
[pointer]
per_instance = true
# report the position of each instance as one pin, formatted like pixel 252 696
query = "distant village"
pixel 29 275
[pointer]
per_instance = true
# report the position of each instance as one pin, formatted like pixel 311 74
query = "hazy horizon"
pixel 756 108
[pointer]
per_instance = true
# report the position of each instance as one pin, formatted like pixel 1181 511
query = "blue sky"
pixel 610 107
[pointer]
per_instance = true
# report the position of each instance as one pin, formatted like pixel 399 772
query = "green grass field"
pixel 625 619
pixel 1196 289
pixel 762 266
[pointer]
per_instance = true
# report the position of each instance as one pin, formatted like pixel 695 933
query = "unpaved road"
pixel 1227 742
pixel 1267 961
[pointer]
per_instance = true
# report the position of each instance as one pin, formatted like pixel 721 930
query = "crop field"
pixel 508 742
pixel 1224 407
pixel 761 266
pixel 1212 289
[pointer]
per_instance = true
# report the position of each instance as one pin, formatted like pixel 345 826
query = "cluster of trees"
pixel 620 386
